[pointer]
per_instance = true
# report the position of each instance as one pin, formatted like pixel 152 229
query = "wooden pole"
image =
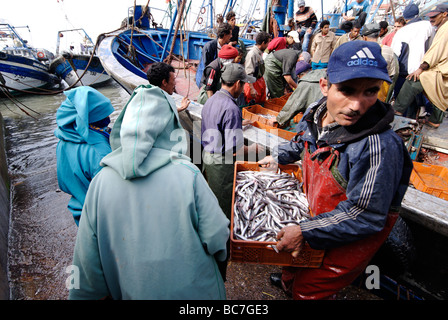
pixel 393 9
pixel 176 29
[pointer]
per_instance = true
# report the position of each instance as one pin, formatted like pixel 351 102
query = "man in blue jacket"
pixel 355 172
pixel 83 133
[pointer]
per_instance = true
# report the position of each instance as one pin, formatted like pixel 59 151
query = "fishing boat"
pixel 78 66
pixel 23 68
pixel 127 53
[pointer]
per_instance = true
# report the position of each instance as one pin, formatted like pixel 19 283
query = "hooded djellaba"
pixel 82 121
pixel 151 228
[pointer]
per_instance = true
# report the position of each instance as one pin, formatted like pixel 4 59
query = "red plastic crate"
pixel 276 104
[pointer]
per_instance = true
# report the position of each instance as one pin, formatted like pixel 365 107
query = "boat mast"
pixel 393 10
pixel 180 7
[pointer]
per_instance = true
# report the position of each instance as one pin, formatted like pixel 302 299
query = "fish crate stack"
pixel 263 202
pixel 285 134
pixel 260 114
pixel 276 104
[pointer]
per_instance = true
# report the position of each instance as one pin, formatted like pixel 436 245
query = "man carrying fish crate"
pixel 355 172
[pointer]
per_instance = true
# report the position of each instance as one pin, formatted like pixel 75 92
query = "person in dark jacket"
pixel 356 170
pixel 211 77
pixel 211 49
pixel 231 19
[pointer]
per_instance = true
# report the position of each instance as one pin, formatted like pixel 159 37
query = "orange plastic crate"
pixel 430 179
pixel 259 252
pixel 255 113
pixel 288 135
pixel 286 97
pixel 276 104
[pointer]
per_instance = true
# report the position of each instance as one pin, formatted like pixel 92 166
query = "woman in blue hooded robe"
pixel 83 134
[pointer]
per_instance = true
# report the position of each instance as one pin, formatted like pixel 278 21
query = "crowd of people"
pixel 310 44
pixel 152 225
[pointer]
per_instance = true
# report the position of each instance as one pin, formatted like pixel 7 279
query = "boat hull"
pixel 24 74
pixel 128 68
pixel 72 69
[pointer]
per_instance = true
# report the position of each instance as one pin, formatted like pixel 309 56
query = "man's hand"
pixel 290 81
pixel 184 104
pixel 268 162
pixel 415 75
pixel 291 240
pixel 347 18
pixel 253 92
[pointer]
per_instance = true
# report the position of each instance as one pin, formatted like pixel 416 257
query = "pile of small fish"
pixel 265 202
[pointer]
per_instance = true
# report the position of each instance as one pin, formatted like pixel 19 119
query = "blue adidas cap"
pixel 357 59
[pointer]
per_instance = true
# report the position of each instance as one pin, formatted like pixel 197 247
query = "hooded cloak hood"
pixel 83 105
pixel 147 135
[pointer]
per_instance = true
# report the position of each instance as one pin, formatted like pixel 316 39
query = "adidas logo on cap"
pixel 363 57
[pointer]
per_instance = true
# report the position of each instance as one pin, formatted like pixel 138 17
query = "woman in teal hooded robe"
pixel 151 228
pixel 82 121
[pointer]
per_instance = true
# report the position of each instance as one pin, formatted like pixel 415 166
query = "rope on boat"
pixel 16 103
pixel 52 92
pixel 6 89
pixel 132 53
pixel 176 30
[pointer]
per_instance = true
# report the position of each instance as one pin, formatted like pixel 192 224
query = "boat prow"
pixel 79 70
pixel 78 67
pixel 111 64
pixel 22 68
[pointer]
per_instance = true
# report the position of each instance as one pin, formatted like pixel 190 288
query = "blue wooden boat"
pixel 78 67
pixel 127 53
pixel 23 68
